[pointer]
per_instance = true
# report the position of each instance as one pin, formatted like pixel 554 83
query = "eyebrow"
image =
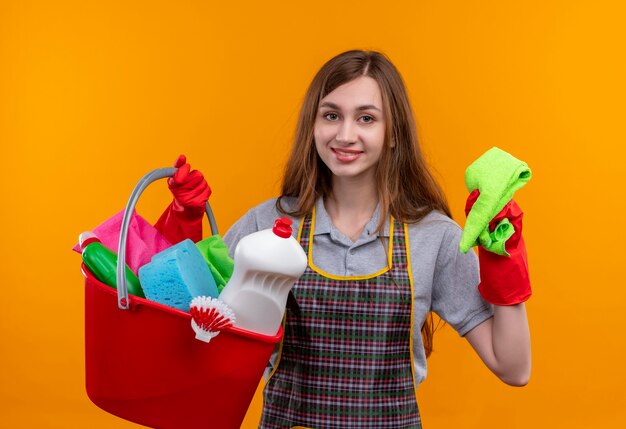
pixel 363 107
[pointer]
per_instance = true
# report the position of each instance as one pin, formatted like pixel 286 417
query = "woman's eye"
pixel 367 119
pixel 331 116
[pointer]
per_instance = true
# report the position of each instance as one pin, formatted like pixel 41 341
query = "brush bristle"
pixel 209 316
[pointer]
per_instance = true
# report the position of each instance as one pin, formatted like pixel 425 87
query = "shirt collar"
pixel 323 224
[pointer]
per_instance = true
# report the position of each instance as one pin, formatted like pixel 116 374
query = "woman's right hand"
pixel 182 219
pixel 189 187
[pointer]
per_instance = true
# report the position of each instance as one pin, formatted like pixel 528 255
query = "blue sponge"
pixel 176 275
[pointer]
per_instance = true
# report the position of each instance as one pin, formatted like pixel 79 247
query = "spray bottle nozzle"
pixel 86 238
pixel 282 227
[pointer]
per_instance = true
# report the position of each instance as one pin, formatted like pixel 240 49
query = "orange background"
pixel 95 94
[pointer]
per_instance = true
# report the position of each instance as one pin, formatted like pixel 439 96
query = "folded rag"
pixel 142 243
pixel 215 253
pixel 497 175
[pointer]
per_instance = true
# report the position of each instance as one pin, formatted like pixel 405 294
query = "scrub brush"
pixel 209 316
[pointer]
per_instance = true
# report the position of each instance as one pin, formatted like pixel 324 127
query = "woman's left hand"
pixel 504 280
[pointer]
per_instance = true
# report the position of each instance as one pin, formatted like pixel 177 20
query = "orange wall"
pixel 95 94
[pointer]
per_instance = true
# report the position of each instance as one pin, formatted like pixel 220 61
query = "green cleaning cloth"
pixel 497 175
pixel 215 253
pixel 498 237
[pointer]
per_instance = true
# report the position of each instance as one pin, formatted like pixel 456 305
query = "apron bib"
pixel 346 357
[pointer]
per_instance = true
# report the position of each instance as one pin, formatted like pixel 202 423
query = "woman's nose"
pixel 346 133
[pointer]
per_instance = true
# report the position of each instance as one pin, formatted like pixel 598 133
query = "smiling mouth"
pixel 346 156
pixel 347 152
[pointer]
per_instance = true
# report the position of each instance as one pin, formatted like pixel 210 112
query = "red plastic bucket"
pixel 145 365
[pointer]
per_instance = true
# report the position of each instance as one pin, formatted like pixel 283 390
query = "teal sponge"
pixel 176 275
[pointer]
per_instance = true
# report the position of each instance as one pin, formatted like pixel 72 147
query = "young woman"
pixel 383 253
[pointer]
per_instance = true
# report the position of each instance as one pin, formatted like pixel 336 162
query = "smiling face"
pixel 349 129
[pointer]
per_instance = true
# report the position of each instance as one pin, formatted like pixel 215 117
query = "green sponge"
pixel 497 175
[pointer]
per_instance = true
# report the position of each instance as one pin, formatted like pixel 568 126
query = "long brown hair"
pixel 406 187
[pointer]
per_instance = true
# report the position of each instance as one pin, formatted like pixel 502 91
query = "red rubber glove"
pixel 182 219
pixel 504 280
pixel 191 191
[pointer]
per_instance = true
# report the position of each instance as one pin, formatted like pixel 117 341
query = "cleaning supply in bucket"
pixel 176 275
pixel 102 262
pixel 267 264
pixel 143 241
pixel 209 316
pixel 215 253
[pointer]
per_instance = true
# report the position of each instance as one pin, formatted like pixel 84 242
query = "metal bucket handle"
pixel 160 173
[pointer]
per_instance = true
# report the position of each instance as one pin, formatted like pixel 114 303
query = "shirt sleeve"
pixel 256 219
pixel 244 226
pixel 455 296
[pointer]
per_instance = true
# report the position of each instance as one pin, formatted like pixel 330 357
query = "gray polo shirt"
pixel 445 280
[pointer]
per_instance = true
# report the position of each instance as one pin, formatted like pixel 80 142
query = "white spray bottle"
pixel 267 264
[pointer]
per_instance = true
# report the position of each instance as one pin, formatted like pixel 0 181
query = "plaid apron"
pixel 346 359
